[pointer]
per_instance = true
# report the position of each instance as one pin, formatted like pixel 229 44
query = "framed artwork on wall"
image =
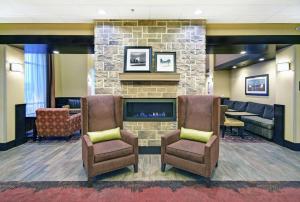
pixel 137 58
pixel 165 61
pixel 257 85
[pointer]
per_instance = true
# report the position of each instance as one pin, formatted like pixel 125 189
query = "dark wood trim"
pixel 10 145
pixel 292 145
pixel 149 149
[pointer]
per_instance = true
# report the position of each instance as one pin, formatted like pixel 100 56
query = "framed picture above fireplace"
pixel 165 61
pixel 137 58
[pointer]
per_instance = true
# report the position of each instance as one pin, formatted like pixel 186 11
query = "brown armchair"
pixel 200 113
pixel 102 113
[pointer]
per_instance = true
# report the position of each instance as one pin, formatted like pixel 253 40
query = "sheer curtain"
pixel 35 77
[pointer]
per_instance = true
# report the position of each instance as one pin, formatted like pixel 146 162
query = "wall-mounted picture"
pixel 165 61
pixel 257 85
pixel 137 58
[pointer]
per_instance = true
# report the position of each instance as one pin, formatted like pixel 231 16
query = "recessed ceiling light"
pixel 198 12
pixel 55 52
pixel 234 67
pixel 261 59
pixel 101 12
pixel 243 52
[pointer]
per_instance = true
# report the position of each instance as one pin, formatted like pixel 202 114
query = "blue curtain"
pixel 35 77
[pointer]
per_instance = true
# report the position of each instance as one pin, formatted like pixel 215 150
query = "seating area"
pixel 261 122
pixel 155 101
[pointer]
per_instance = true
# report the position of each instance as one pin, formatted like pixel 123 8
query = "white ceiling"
pixel 214 11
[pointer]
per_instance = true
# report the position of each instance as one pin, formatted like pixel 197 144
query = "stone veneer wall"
pixel 185 37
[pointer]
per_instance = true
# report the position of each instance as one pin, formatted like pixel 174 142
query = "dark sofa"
pixel 262 124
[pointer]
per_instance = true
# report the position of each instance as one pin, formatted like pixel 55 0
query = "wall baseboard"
pixel 11 144
pixel 291 145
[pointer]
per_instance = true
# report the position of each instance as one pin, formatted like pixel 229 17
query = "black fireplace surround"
pixel 150 109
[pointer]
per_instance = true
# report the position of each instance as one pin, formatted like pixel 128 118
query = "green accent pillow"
pixel 196 135
pixel 100 136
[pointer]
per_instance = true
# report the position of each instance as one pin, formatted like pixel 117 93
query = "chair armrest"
pixel 211 152
pixel 87 152
pixel 166 140
pixel 170 137
pixel 129 138
pixel 132 140
pixel 74 122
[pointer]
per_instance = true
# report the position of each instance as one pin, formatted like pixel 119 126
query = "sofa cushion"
pixel 187 149
pixel 240 106
pixel 111 149
pixel 195 135
pixel 229 103
pixel 255 108
pixel 268 112
pixel 259 121
pixel 74 103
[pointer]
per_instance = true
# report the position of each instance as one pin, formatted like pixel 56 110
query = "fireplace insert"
pixel 150 109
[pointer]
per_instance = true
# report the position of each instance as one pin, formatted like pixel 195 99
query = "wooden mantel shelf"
pixel 175 77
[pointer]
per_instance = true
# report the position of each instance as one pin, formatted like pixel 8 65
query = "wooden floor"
pixel 61 161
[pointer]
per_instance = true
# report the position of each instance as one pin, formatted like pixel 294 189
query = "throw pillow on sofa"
pixel 195 135
pixel 74 103
pixel 105 135
pixel 268 112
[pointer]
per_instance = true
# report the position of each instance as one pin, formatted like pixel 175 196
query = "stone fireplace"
pixel 185 37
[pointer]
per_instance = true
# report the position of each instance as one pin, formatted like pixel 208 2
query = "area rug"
pixel 248 138
pixel 158 191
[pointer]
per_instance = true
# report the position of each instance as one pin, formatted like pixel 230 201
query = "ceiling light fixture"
pixel 198 12
pixel 55 52
pixel 243 52
pixel 101 12
pixel 234 67
pixel 261 59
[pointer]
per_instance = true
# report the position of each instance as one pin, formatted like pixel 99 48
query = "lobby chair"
pixel 56 122
pixel 200 113
pixel 102 113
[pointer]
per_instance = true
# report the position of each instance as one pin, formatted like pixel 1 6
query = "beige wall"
pixel 297 93
pixel 286 89
pixel 14 88
pixel 221 83
pixel 11 91
pixel 237 86
pixel 71 72
pixel 2 94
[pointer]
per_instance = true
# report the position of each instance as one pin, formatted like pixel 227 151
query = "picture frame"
pixel 165 61
pixel 137 59
pixel 257 85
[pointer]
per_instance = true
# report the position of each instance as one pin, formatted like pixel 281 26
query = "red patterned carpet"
pixel 166 191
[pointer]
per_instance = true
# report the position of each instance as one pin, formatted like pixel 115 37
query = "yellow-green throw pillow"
pixel 105 135
pixel 196 135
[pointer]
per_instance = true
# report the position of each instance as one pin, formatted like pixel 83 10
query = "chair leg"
pixel 217 164
pixel 90 182
pixel 163 167
pixel 135 168
pixel 208 182
pixel 241 132
pixel 223 131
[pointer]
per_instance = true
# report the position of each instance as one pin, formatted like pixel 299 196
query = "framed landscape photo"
pixel 137 58
pixel 165 61
pixel 257 85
